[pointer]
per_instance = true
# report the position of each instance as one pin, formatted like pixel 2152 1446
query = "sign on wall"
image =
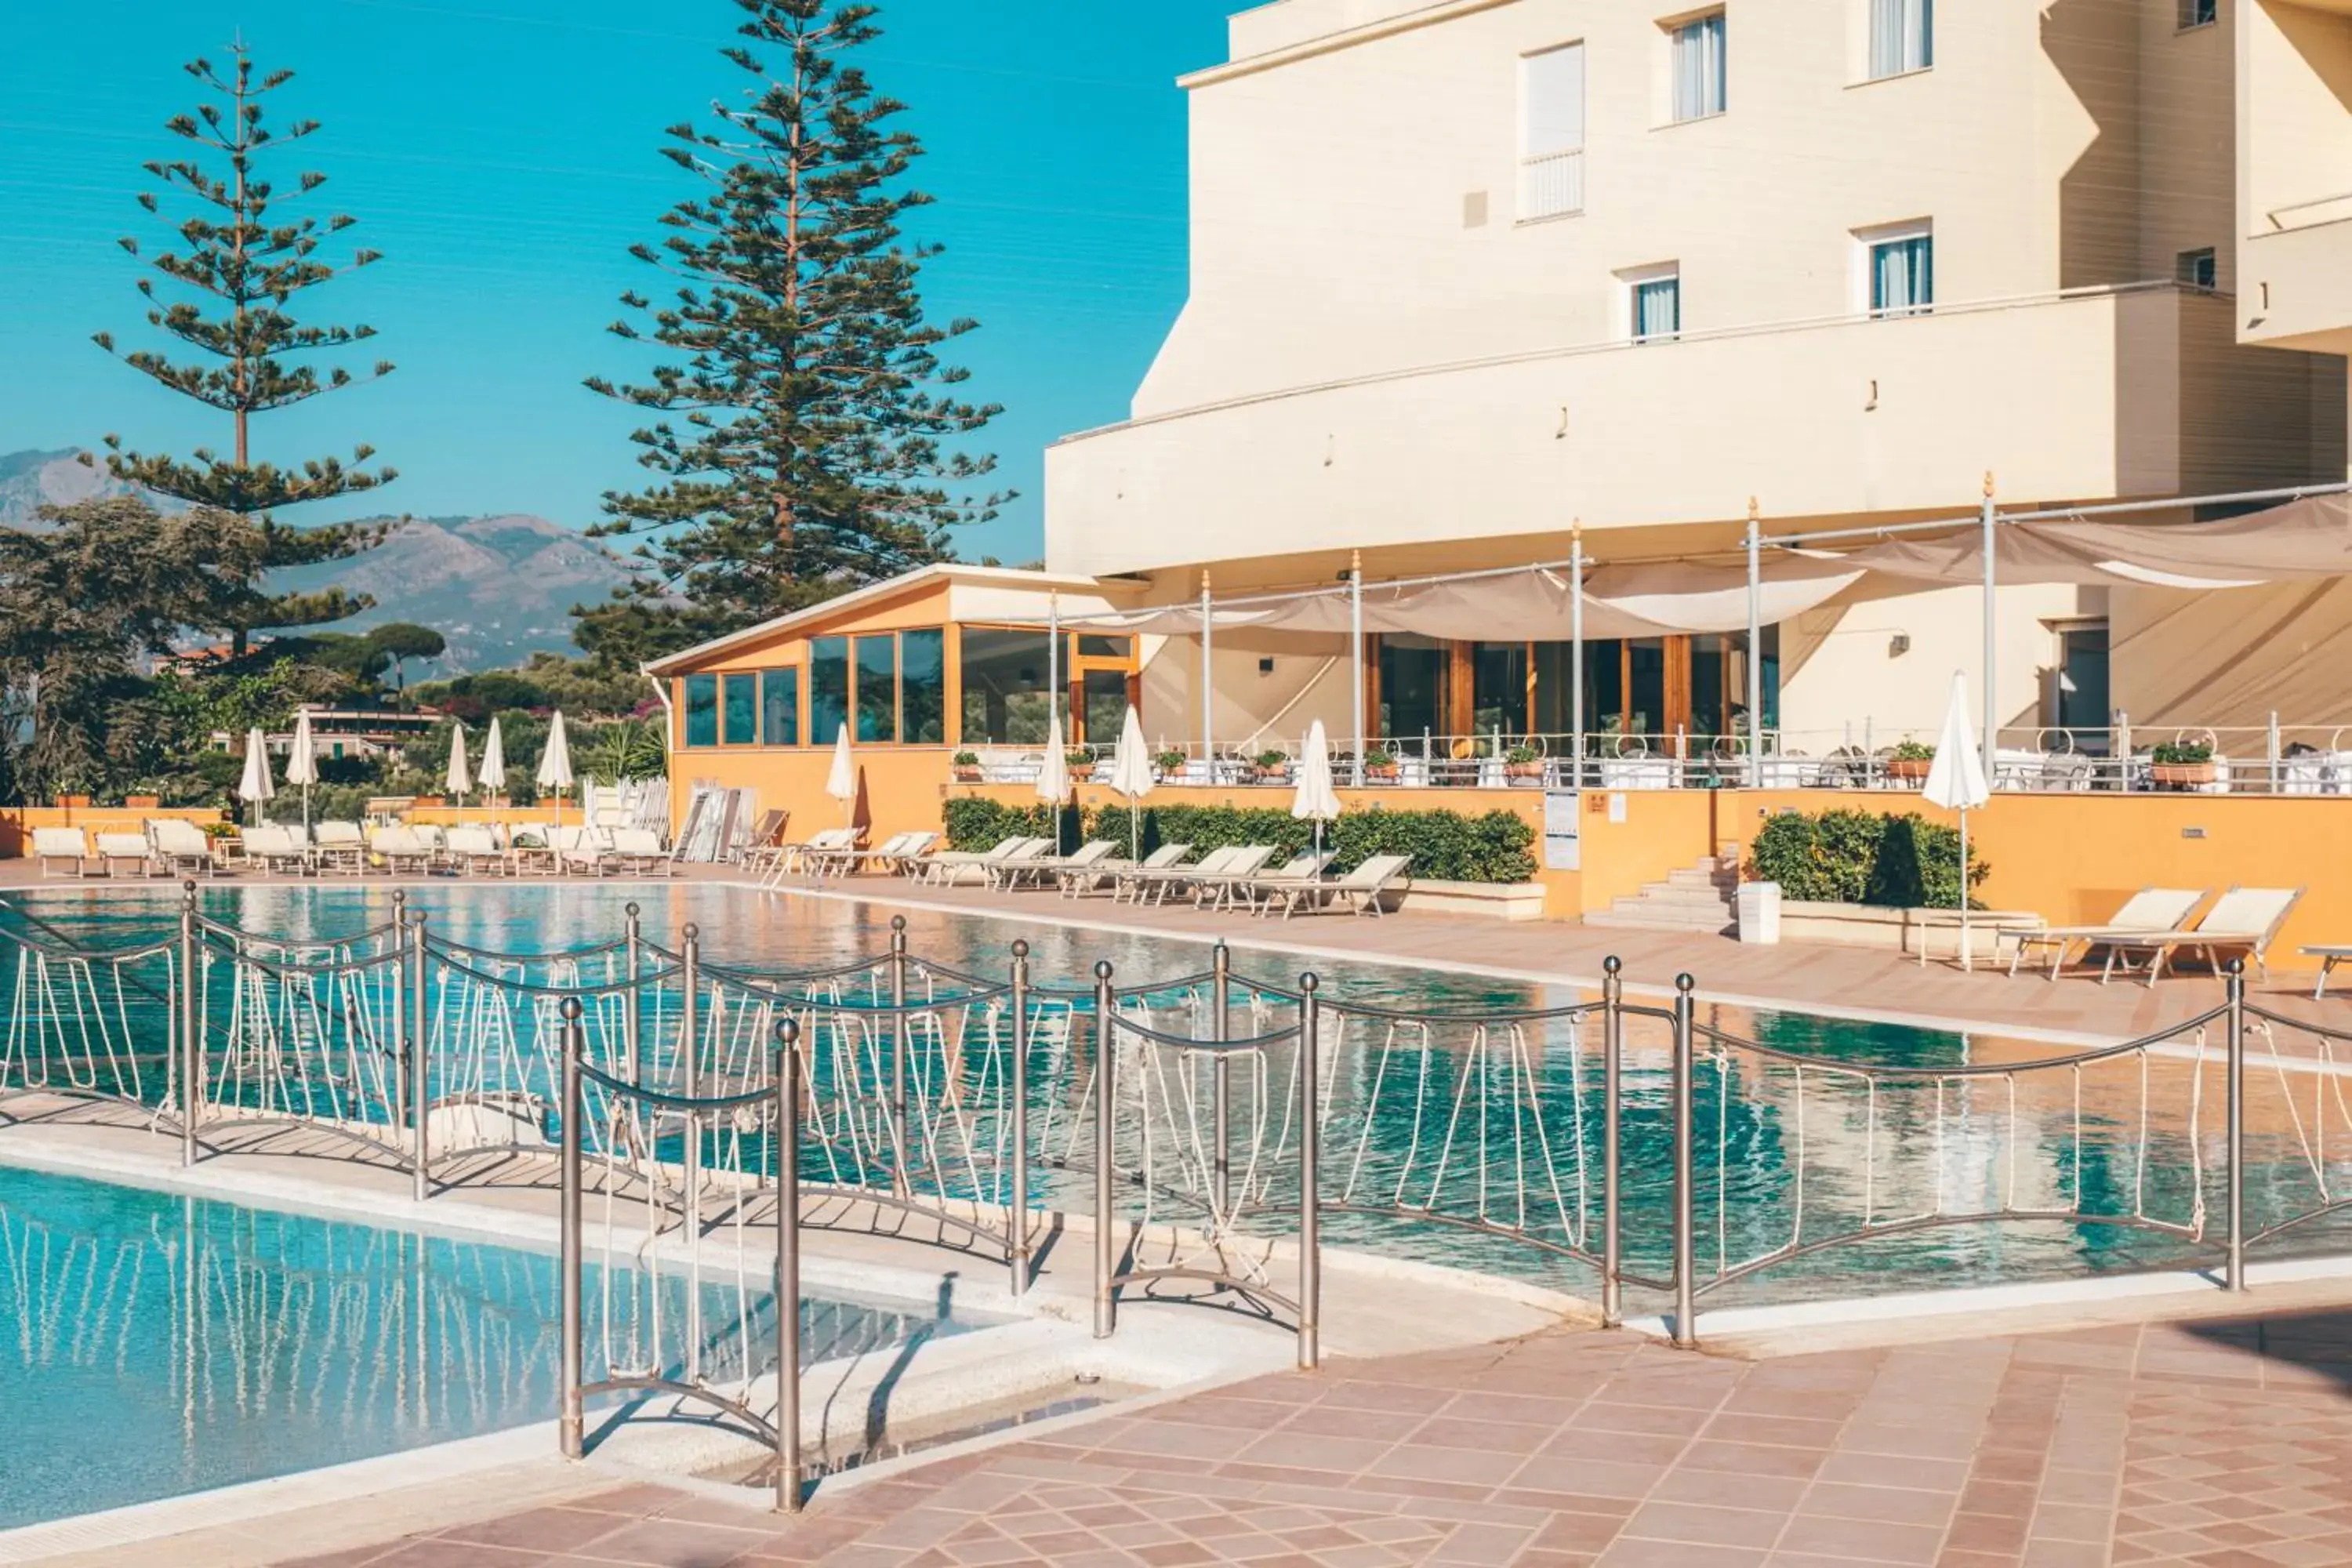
pixel 1563 846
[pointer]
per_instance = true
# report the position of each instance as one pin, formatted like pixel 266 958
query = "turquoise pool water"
pixel 1785 1158
pixel 154 1345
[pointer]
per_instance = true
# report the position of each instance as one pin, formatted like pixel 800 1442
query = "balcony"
pixel 1551 187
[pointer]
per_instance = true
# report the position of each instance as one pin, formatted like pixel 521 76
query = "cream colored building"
pixel 1465 275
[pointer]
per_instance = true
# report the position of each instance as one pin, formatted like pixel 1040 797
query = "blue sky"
pixel 502 153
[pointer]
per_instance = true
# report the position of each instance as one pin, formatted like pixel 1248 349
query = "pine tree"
pixel 801 439
pixel 240 261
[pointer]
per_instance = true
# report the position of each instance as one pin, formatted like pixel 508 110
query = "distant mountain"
pixel 499 588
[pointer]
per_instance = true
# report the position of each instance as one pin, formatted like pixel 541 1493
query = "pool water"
pixel 156 1344
pixel 1786 1159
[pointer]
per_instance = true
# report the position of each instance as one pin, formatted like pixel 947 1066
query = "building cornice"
pixel 1388 27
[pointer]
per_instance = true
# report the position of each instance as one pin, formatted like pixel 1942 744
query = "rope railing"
pixel 1219 1128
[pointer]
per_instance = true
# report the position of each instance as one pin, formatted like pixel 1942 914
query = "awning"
pixel 2307 538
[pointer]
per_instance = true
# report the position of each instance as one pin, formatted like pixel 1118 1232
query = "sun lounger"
pixel 764 842
pixel 401 850
pixel 948 867
pixel 476 850
pixel 2244 920
pixel 276 850
pixel 1139 882
pixel 1088 879
pixel 1359 891
pixel 1226 890
pixel 2329 957
pixel 180 846
pixel 117 849
pixel 807 855
pixel 2149 910
pixel 65 847
pixel 1215 867
pixel 899 852
pixel 1035 870
pixel 339 847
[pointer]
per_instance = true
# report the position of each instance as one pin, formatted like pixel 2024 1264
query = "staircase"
pixel 1701 898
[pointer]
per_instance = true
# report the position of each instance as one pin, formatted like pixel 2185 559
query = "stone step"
pixel 1694 877
pixel 1640 920
pixel 1659 896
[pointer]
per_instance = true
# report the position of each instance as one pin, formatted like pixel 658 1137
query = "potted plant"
pixel 1910 760
pixel 1380 766
pixel 1080 764
pixel 1272 766
pixel 966 767
pixel 1524 764
pixel 2184 765
pixel 1170 762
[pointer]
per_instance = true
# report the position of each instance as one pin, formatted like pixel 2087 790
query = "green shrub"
pixel 1913 752
pixel 2182 753
pixel 975 822
pixel 1446 846
pixel 1862 857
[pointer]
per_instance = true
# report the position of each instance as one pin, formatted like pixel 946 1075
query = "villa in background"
pixel 1481 283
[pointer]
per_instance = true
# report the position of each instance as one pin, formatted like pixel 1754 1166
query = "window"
pixel 1551 133
pixel 2082 711
pixel 828 691
pixel 1413 686
pixel 1697 47
pixel 2195 268
pixel 923 687
pixel 877 688
pixel 1899 267
pixel 701 710
pixel 1498 688
pixel 1902 36
pixel 1653 302
pixel 2199 12
pixel 738 709
pixel 1090 647
pixel 1004 686
pixel 779 706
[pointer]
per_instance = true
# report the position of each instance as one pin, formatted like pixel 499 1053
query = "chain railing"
pixel 1218 1131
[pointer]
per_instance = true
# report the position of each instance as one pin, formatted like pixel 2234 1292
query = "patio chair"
pixel 1109 872
pixel 1036 868
pixel 276 850
pixel 1359 891
pixel 116 848
pixel 764 842
pixel 948 865
pixel 339 847
pixel 2244 920
pixel 401 850
pixel 180 846
pixel 2149 911
pixel 475 850
pixel 54 847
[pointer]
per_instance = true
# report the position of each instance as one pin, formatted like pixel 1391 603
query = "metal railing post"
pixel 190 1027
pixel 419 1047
pixel 900 1181
pixel 1105 1003
pixel 690 1056
pixel 1310 1247
pixel 1612 1055
pixel 1016 1206
pixel 632 1023
pixel 403 1061
pixel 1685 1244
pixel 1221 993
pixel 2234 1274
pixel 571 1422
pixel 788 1268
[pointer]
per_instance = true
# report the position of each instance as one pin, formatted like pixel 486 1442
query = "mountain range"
pixel 499 588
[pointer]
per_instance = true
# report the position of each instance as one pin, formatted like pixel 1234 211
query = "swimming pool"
pixel 157 1344
pixel 1477 1145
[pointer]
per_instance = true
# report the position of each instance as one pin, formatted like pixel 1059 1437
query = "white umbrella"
pixel 1957 782
pixel 493 776
pixel 302 763
pixel 1054 778
pixel 1314 799
pixel 255 787
pixel 555 763
pixel 841 782
pixel 1131 775
pixel 459 781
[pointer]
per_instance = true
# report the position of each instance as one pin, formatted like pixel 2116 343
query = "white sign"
pixel 1564 847
pixel 1616 806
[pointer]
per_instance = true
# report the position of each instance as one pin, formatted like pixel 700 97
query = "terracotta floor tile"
pixel 1871 1540
pixel 1697 1523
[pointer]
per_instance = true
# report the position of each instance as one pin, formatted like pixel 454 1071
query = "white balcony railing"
pixel 1552 186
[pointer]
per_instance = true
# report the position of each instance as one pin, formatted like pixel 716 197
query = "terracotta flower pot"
pixel 2183 775
pixel 1910 767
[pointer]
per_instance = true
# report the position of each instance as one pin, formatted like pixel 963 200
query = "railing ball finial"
pixel 1102 969
pixel 1612 965
pixel 2235 966
pixel 1020 947
pixel 630 908
pixel 897 923
pixel 1309 982
pixel 788 1033
pixel 1684 983
pixel 570 1009
pixel 691 931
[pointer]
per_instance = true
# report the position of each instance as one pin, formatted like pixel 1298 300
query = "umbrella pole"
pixel 1967 957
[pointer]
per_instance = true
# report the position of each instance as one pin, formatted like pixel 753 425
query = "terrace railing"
pixel 1216 1130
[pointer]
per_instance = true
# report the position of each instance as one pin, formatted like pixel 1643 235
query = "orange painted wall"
pixel 17 822
pixel 900 787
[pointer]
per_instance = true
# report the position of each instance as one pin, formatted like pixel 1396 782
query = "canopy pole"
pixel 1755 644
pixel 1576 652
pixel 1053 665
pixel 1992 651
pixel 1356 657
pixel 1208 688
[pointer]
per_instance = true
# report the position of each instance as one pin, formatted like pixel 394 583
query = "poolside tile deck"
pixel 2221 1444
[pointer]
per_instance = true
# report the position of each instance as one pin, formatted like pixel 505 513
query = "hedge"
pixel 1863 858
pixel 1446 846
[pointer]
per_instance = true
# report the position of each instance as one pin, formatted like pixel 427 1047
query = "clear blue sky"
pixel 502 153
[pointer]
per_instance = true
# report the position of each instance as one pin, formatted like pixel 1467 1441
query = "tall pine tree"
pixel 240 261
pixel 803 439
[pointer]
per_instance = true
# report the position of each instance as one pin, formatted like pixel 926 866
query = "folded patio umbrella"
pixel 555 763
pixel 1957 782
pixel 493 776
pixel 254 787
pixel 1054 778
pixel 302 763
pixel 841 782
pixel 458 780
pixel 1130 777
pixel 1314 800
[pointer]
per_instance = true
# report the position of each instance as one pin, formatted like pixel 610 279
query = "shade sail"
pixel 2306 538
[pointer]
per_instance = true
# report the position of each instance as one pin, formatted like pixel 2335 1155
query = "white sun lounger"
pixel 115 849
pixel 1359 891
pixel 1154 882
pixel 1088 879
pixel 1036 869
pixel 401 850
pixel 948 867
pixel 2244 920
pixel 276 848
pixel 1228 889
pixel 476 850
pixel 55 847
pixel 180 846
pixel 2148 911
pixel 340 846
